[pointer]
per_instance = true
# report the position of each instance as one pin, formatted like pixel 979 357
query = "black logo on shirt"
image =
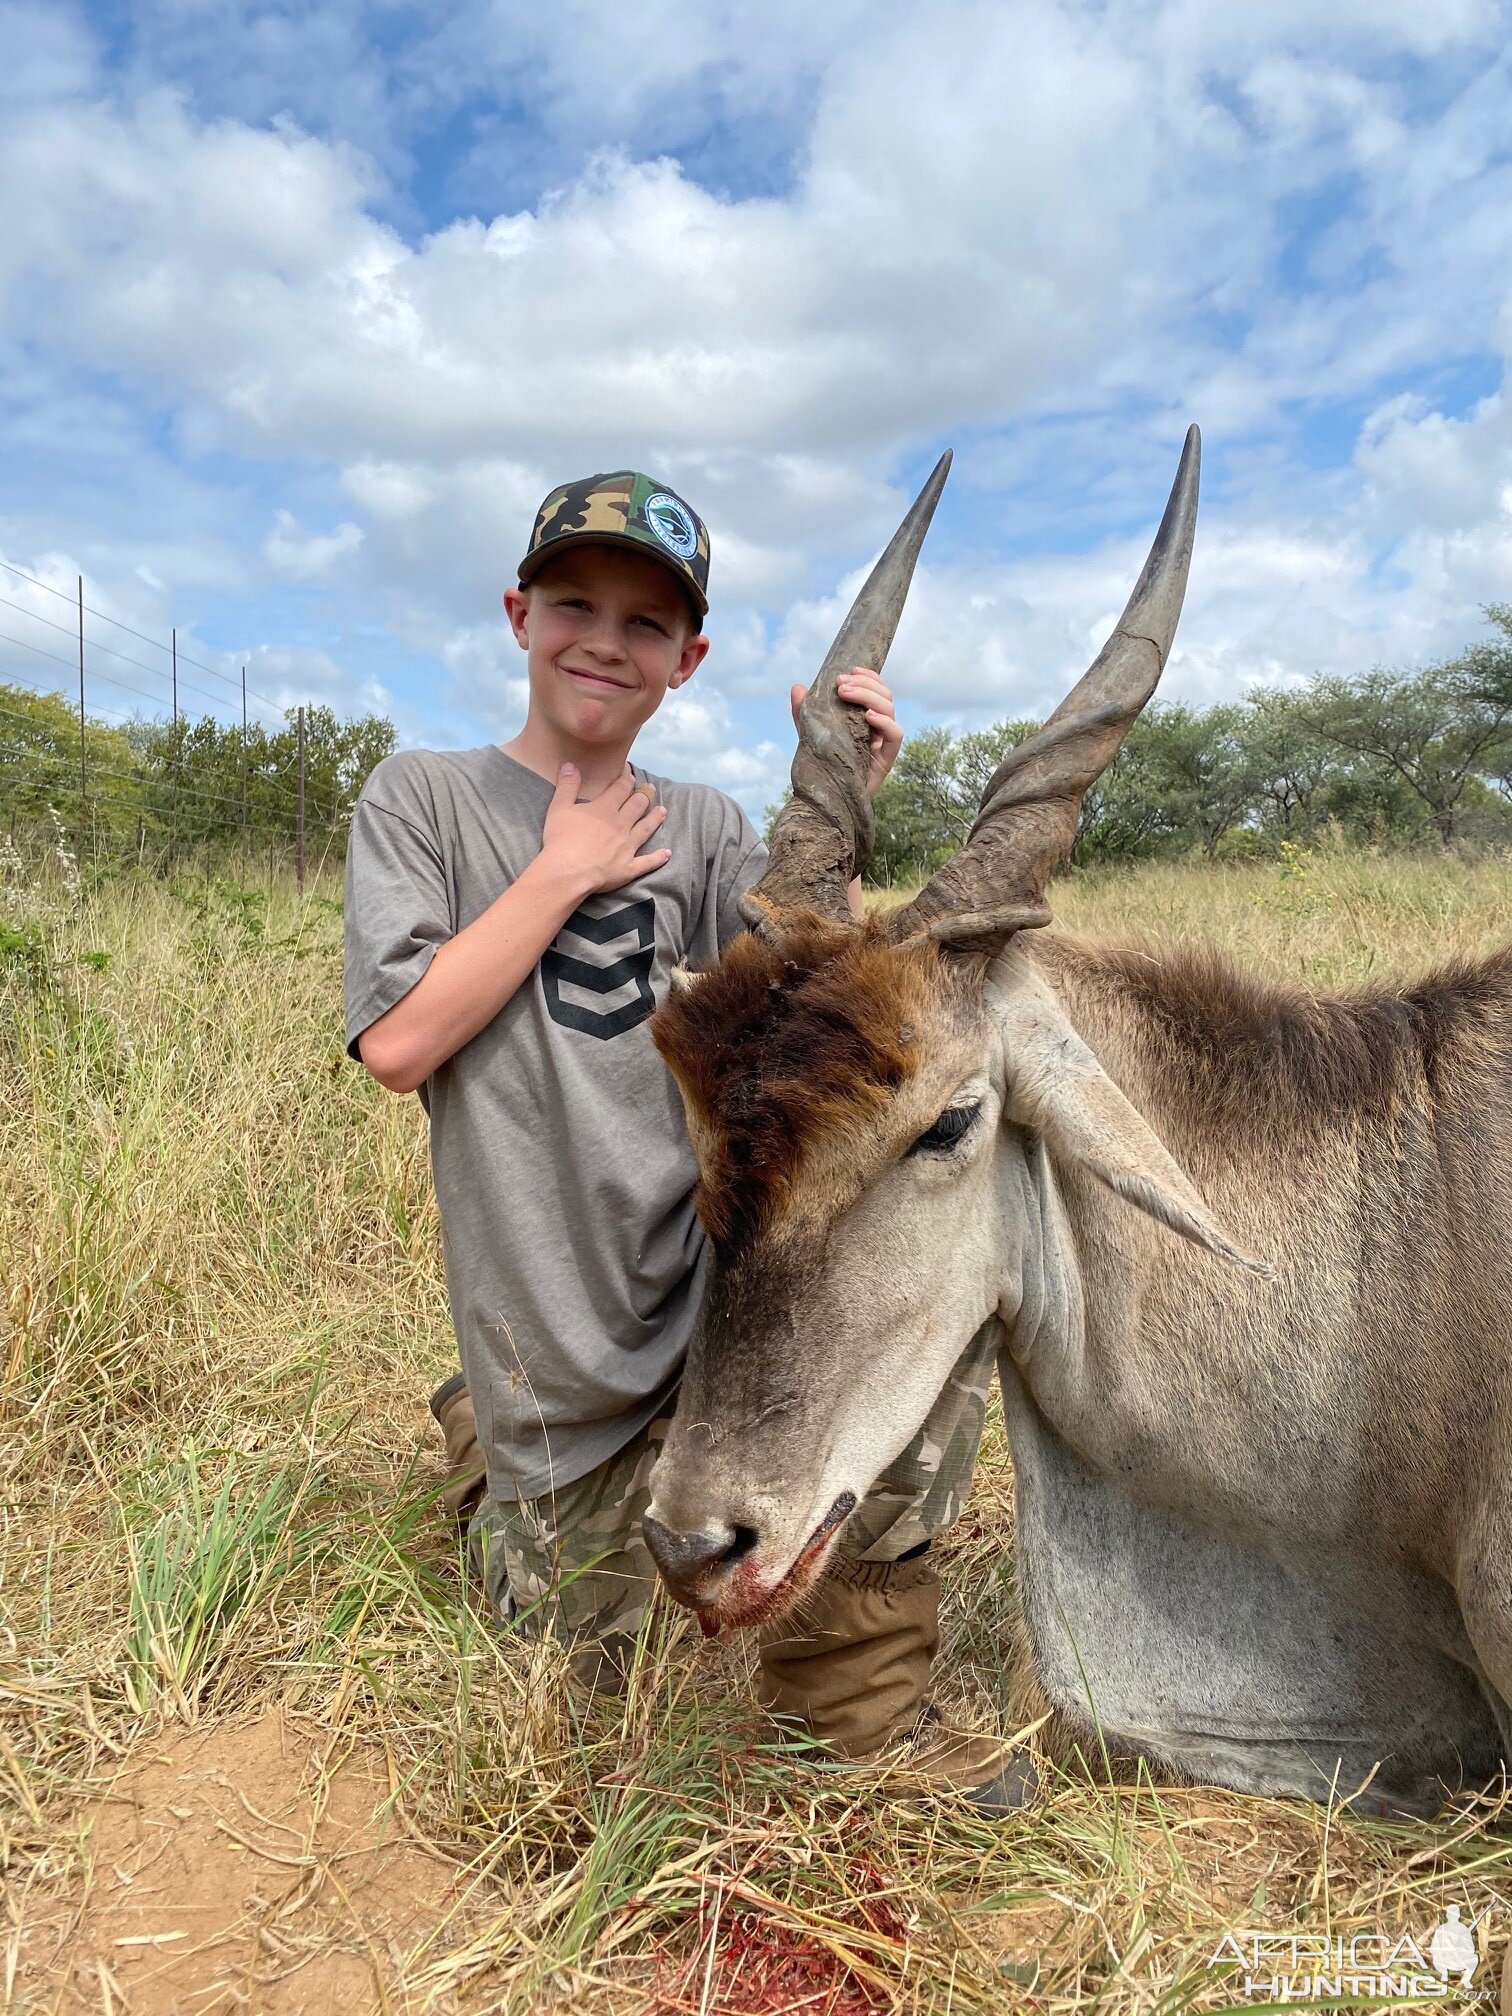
pixel 559 969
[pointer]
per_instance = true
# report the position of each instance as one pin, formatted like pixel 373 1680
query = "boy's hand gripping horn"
pixel 822 837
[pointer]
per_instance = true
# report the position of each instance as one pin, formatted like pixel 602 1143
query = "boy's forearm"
pixel 470 978
pixel 474 975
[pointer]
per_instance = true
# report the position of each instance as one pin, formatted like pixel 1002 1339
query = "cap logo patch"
pixel 672 523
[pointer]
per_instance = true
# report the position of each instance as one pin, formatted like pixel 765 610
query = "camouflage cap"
pixel 624 509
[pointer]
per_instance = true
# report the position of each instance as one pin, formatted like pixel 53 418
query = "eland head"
pixel 867 1102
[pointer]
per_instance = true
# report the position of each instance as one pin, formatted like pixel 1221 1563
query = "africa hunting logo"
pixel 1282 1967
pixel 672 522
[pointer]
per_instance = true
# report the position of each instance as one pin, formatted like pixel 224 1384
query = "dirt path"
pixel 253 1866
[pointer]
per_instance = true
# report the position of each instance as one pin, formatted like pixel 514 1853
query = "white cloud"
pixel 925 270
pixel 291 676
pixel 487 679
pixel 1266 603
pixel 522 84
pixel 295 555
pixel 48 53
pixel 692 736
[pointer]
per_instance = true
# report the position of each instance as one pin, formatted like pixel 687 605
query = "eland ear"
pixel 1057 1089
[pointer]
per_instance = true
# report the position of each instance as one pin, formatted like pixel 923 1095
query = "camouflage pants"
pixel 575 1564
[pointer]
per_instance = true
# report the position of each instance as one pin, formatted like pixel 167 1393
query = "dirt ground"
pixel 261 1865
pixel 253 1867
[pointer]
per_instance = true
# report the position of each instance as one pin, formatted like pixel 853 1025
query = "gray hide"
pixel 1221 1664
pixel 1203 1577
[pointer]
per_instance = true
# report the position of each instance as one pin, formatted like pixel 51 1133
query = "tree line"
pixel 153 787
pixel 1385 757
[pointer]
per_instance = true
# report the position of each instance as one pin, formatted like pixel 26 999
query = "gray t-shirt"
pixel 561 1159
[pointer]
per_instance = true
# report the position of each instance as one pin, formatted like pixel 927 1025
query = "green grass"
pixel 222 1313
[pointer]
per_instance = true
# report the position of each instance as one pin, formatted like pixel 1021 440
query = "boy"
pixel 513 916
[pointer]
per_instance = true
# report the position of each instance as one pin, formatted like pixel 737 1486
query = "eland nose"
pixel 693 1565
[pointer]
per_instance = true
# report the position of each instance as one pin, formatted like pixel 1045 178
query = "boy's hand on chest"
pixel 599 844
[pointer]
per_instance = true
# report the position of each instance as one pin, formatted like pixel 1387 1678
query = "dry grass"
pixel 222 1314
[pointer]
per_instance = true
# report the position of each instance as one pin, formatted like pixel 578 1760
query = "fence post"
pixel 244 771
pixel 178 762
pixel 83 779
pixel 299 837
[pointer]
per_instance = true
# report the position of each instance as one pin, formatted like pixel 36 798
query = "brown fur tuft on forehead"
pixel 777 1046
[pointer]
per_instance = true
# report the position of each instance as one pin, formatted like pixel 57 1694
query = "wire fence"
pixel 164 773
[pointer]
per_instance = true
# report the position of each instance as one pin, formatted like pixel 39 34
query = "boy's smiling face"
pixel 607 635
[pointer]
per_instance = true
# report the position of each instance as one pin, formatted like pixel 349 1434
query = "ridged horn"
pixel 822 837
pixel 996 884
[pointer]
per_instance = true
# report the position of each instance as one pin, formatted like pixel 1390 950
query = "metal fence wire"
pixel 176 803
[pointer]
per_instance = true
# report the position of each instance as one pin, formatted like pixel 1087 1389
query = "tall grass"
pixel 222 1312
pixel 201 1568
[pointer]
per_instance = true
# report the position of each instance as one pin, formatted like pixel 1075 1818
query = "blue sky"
pixel 303 308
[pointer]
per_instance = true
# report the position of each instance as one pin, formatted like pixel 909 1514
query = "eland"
pixel 1251 1251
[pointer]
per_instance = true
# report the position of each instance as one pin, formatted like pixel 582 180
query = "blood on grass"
pixel 761 1966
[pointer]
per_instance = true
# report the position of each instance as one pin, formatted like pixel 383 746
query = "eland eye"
pixel 953 1125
